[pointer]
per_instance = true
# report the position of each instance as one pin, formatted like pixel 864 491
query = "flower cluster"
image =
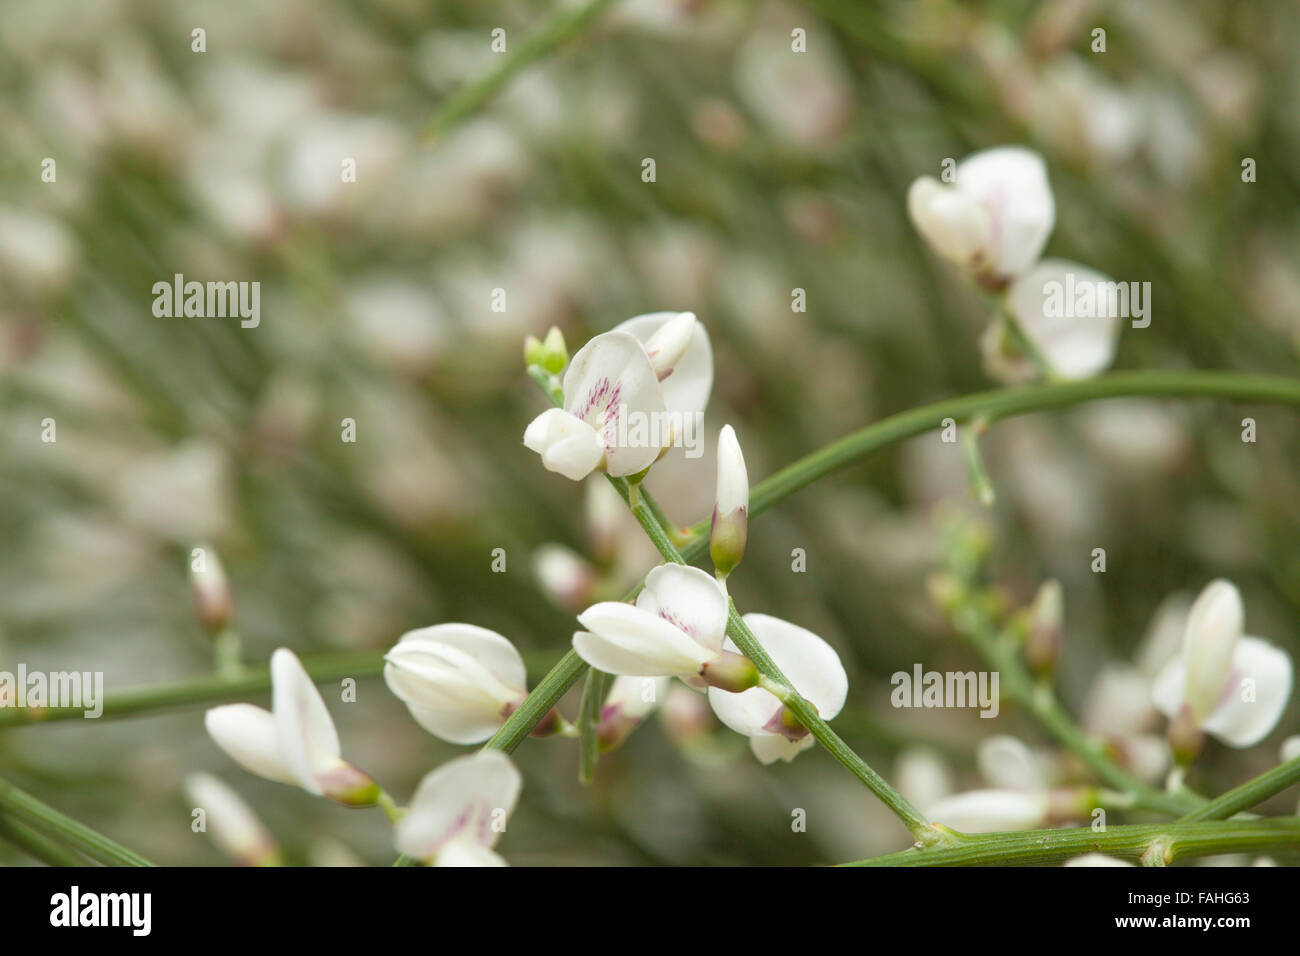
pixel 993 220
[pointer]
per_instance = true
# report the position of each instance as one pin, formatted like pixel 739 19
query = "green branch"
pixel 1038 847
pixel 561 28
pixel 24 809
pixel 1249 794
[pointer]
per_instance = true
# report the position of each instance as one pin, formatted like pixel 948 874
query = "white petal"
pixel 610 381
pixel 1243 723
pixel 308 740
pixel 1168 691
pixel 733 479
pixel 686 391
pixel 635 698
pixel 1214 625
pixel 922 776
pixel 248 735
pixel 457 668
pixel 456 727
pixel 1290 748
pixel 668 344
pixel 1010 183
pixel 628 640
pixel 568 445
pixel 689 598
pixel 773 747
pixel 230 820
pixel 811 665
pixel 460 802
pixel 1076 346
pixel 1008 764
pixel 955 225
pixel 987 811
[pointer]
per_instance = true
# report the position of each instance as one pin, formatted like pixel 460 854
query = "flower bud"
pixel 234 826
pixel 554 353
pixel 1045 637
pixel 730 527
pixel 667 346
pixel 346 785
pixel 730 671
pixel 213 602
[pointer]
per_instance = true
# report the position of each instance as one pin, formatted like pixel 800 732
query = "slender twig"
pixel 25 809
pixel 1178 841
pixel 593 696
pixel 37 845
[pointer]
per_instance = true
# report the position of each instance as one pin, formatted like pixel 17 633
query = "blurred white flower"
pixel 1073 346
pixel 460 810
pixel 37 253
pixel 1235 686
pixel 295 742
pixel 994 219
pixel 460 682
pixel 231 822
pixel 629 702
pixel 922 776
pixel 814 670
pixel 804 98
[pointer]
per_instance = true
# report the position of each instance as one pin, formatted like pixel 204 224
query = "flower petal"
pixel 773 747
pixel 1076 346
pixel 1214 625
pixel 468 853
pixel 811 665
pixel 989 811
pixel 1008 764
pixel 1242 723
pixel 568 445
pixel 686 390
pixel 628 640
pixel 1010 182
pixel 688 598
pixel 610 381
pixel 232 823
pixel 248 736
pixel 308 740
pixel 955 225
pixel 456 667
pixel 460 801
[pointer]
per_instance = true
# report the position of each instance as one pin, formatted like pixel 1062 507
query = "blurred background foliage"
pixel 775 171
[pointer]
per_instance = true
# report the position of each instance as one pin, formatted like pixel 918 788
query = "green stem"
pixel 214 689
pixel 26 810
pixel 37 845
pixel 1037 698
pixel 1249 794
pixel 593 696
pixel 538 703
pixel 561 28
pixel 1005 403
pixel 1038 847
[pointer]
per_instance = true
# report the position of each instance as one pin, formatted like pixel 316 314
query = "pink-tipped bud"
pixel 730 528
pixel 213 603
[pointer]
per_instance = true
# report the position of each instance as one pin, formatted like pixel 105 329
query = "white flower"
pixel 295 742
pixel 686 391
pixel 988 811
pixel 675 629
pixel 459 811
pixel 812 667
pixel 459 681
pixel 996 217
pixel 230 820
pixel 1235 686
pixel 1290 748
pixel 610 381
pixel 563 573
pixel 730 525
pixel 1065 312
pixel 1008 764
pixel 630 701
